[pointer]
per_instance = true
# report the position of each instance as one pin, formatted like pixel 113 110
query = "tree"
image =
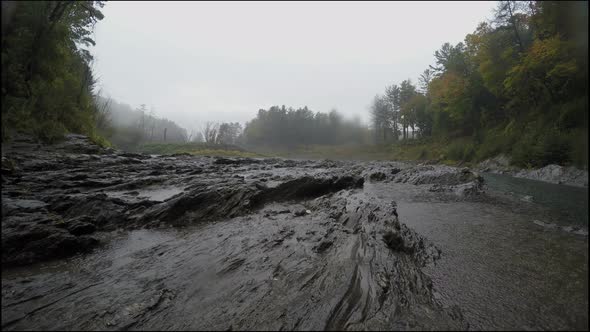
pixel 47 83
pixel 228 133
pixel 392 93
pixel 424 79
pixel 508 13
pixel 289 127
pixel 380 116
pixel 210 132
pixel 517 85
pixel 408 115
pixel 422 117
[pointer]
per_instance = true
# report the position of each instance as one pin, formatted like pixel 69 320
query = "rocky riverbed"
pixel 96 238
pixel 550 173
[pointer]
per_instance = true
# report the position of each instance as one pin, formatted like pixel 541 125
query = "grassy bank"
pixel 526 151
pixel 416 151
pixel 198 149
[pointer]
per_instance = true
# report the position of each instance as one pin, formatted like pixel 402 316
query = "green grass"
pixel 403 151
pixel 546 148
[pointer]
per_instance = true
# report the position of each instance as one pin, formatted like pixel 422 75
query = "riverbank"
pixel 567 175
pixel 97 239
pixel 298 243
pixel 433 154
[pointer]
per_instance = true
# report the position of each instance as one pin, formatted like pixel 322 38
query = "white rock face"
pixel 556 174
pixel 550 173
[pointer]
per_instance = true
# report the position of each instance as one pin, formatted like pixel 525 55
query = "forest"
pixel 128 128
pixel 47 81
pixel 517 85
pixel 289 127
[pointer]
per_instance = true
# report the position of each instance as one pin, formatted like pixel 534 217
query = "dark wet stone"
pixel 377 176
pixel 11 206
pixel 323 246
pixel 81 228
pixel 395 242
pixel 300 212
pixel 251 234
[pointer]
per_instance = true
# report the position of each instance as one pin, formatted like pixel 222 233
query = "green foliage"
pixel 540 146
pixel 100 141
pixel 517 86
pixel 460 150
pixel 281 126
pixel 579 148
pixel 49 131
pixel 47 82
pixel 573 114
pixel 495 141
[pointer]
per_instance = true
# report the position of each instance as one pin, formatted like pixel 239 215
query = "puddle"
pixel 155 194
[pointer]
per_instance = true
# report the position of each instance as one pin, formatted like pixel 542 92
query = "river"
pixel 501 263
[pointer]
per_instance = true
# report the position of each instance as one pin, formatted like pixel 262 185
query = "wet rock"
pixel 12 206
pixel 260 186
pixel 556 174
pixel 367 264
pixel 496 164
pixel 236 161
pixel 549 173
pixel 81 228
pixel 377 176
pixel 41 242
pixel 440 175
pixel 8 166
pixel 323 246
pixel 308 187
pixel 394 241
pixel 300 212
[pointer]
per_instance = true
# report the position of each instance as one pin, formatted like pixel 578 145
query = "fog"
pixel 196 61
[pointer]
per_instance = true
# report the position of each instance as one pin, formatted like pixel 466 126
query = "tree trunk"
pixel 515 28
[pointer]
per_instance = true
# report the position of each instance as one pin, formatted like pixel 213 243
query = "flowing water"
pixel 499 264
pixel 569 203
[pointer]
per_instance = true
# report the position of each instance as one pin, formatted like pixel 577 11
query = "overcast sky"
pixel 222 61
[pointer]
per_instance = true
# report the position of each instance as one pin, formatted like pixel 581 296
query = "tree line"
pixel 517 85
pixel 128 128
pixel 289 127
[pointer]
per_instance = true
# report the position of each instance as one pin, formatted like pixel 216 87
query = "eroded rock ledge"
pixel 299 242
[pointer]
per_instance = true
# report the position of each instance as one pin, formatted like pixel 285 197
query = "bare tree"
pixel 194 136
pixel 152 117
pixel 424 80
pixel 509 12
pixel 103 114
pixel 210 132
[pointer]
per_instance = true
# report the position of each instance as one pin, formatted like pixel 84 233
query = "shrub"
pixel 495 142
pixel 578 141
pixel 460 150
pixel 49 131
pixel 539 147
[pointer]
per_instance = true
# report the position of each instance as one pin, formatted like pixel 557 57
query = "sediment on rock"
pixel 281 236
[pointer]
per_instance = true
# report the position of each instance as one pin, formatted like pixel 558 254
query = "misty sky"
pixel 221 61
